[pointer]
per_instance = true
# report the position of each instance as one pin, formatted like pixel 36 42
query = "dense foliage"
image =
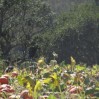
pixel 51 81
pixel 59 6
pixel 20 20
pixel 29 29
pixel 75 34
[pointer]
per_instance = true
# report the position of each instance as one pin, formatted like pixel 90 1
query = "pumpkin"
pixel 6 76
pixel 3 80
pixel 6 88
pixel 14 74
pixel 25 95
pixel 75 89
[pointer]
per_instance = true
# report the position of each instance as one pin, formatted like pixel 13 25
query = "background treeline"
pixel 60 6
pixel 32 28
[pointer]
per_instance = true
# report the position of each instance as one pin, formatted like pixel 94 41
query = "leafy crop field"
pixel 51 81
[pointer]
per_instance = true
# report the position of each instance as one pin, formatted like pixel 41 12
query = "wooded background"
pixel 33 28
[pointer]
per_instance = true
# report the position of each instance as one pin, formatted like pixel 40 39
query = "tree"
pixel 20 20
pixel 76 34
pixel 97 2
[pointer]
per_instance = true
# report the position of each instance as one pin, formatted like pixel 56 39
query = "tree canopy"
pixel 30 26
pixel 76 34
pixel 20 20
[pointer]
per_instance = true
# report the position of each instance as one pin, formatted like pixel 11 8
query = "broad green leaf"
pixel 80 68
pixel 73 62
pixel 52 97
pixel 47 80
pixel 38 86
